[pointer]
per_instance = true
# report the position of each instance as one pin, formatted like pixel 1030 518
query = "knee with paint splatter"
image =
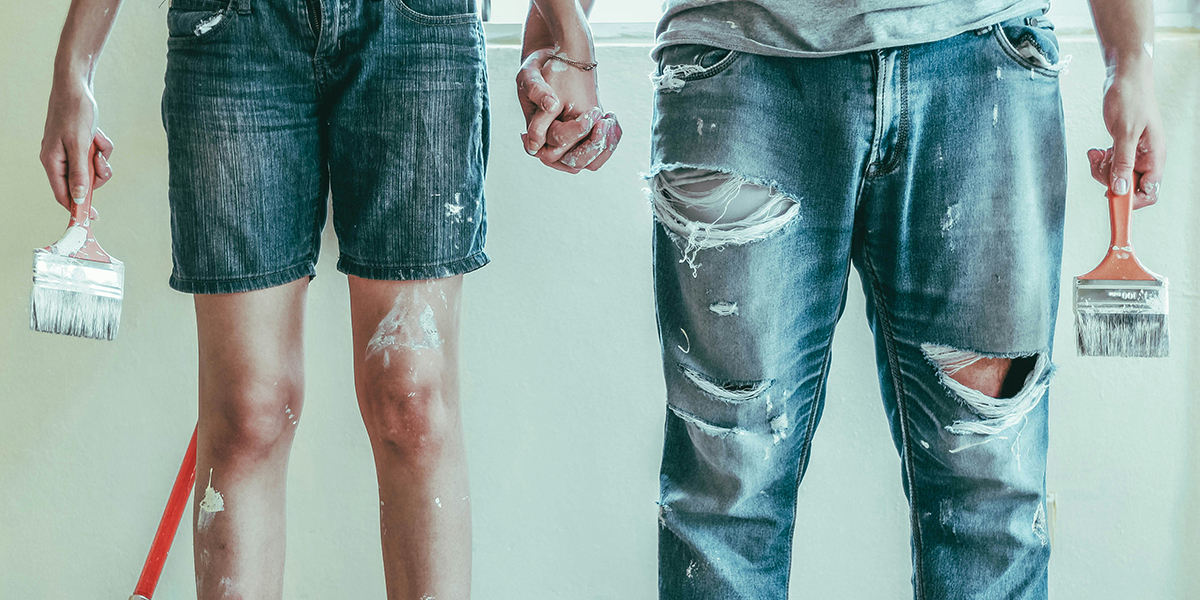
pixel 404 382
pixel 708 209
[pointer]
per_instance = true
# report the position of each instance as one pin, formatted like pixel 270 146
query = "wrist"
pixel 1129 63
pixel 73 71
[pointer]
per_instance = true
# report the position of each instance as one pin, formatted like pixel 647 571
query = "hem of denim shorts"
pixel 249 283
pixel 475 261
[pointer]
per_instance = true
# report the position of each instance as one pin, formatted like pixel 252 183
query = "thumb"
pixel 79 179
pixel 1124 156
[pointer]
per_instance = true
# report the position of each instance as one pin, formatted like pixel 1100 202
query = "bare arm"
pixel 71 117
pixel 1126 32
pixel 566 127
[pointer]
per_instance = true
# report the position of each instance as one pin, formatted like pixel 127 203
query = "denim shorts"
pixel 937 170
pixel 273 107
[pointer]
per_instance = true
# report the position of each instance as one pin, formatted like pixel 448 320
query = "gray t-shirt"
pixel 809 28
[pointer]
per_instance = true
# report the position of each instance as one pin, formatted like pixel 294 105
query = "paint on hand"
pixel 397 330
pixel 212 503
pixel 438 502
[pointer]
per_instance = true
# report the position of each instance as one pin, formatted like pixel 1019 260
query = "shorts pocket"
pixel 438 12
pixel 1030 43
pixel 197 21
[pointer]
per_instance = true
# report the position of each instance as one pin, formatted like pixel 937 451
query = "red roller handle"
pixel 181 492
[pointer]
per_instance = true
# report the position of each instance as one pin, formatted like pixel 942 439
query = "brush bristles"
pixel 74 313
pixel 1135 335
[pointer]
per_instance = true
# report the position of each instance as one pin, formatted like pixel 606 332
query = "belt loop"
pixel 243 6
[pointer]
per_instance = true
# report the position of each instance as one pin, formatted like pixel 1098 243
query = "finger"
pixel 532 88
pixel 535 133
pixel 569 133
pixel 587 151
pixel 554 153
pixel 614 138
pixel 1149 166
pixel 1096 161
pixel 79 179
pixel 557 166
pixel 103 144
pixel 54 161
pixel 1124 155
pixel 103 171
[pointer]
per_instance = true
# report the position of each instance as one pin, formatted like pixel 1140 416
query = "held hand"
pixel 69 134
pixel 567 128
pixel 1131 115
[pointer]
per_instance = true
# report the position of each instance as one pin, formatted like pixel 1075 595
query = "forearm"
pixel 1126 32
pixel 83 36
pixel 559 23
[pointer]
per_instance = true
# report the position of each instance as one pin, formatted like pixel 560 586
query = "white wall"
pixel 563 398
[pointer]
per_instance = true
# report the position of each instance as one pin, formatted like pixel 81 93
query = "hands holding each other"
pixel 566 127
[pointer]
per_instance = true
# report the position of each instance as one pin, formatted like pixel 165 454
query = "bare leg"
pixel 406 375
pixel 251 391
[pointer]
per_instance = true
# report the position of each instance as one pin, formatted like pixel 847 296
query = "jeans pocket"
pixel 197 21
pixel 682 63
pixel 438 12
pixel 1030 42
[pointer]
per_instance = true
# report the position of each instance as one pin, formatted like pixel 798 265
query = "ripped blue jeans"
pixel 939 172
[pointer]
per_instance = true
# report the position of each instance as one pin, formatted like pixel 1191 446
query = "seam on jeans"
pixel 243 277
pixel 362 263
pixel 877 64
pixel 902 408
pixel 715 68
pixel 902 135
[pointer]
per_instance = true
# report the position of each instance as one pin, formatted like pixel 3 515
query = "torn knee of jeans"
pixel 733 392
pixel 708 209
pixel 1015 388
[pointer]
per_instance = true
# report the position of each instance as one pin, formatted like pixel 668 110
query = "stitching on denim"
pixel 877 133
pixel 424 19
pixel 717 67
pixel 243 277
pixel 906 439
pixel 901 136
pixel 352 259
